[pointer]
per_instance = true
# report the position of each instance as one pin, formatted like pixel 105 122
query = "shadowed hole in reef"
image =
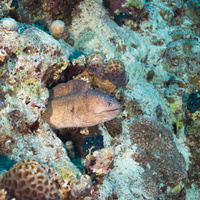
pixel 5 163
pixel 174 128
pixel 80 141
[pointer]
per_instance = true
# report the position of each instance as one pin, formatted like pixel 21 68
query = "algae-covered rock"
pixel 155 140
pixel 32 60
pixel 29 56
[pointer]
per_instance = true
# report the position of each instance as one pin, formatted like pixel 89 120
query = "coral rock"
pixel 3 56
pixel 83 188
pixel 95 63
pixel 114 71
pixel 100 161
pixel 30 179
pixel 58 29
pixel 2 195
pixel 114 127
pixel 157 150
pixel 10 24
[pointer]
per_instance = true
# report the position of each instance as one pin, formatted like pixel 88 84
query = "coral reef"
pixel 9 24
pixel 182 56
pixel 21 51
pixel 100 161
pixel 58 29
pixel 5 7
pixel 104 76
pixel 30 179
pixel 70 147
pixel 2 194
pixel 114 127
pixel 151 151
pixel 45 12
pixel 83 188
pixel 121 10
pixel 91 144
pixel 95 63
pixel 161 167
pixel 193 103
pixel 155 143
pixel 112 70
pixel 3 56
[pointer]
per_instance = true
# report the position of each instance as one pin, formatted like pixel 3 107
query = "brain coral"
pixel 31 180
pixel 113 70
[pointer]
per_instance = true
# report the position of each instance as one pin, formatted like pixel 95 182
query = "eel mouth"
pixel 112 112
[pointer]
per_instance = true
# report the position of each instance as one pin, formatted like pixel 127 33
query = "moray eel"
pixel 75 104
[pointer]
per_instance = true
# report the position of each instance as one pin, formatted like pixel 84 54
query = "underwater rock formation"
pixel 82 189
pixel 45 12
pixel 28 61
pixel 9 24
pixel 100 161
pixel 154 141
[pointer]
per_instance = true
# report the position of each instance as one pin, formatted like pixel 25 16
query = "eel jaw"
pixel 110 114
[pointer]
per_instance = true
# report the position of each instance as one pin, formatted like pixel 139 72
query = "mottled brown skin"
pixel 75 104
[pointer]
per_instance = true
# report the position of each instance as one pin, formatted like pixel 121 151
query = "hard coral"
pixel 30 179
pixel 157 152
pixel 114 127
pixel 113 71
pixel 58 29
pixel 95 63
pixel 28 60
pixel 126 9
pixel 2 195
pixel 5 7
pixel 58 9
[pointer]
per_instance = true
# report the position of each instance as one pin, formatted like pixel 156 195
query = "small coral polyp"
pixel 30 179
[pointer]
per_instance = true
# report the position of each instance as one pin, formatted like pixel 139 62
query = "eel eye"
pixel 109 103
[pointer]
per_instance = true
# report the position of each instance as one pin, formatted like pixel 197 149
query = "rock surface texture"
pixel 145 54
